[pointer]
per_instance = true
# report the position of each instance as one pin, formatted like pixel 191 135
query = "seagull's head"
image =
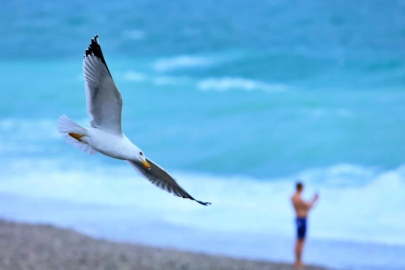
pixel 142 158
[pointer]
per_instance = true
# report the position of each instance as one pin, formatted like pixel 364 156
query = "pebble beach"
pixel 42 247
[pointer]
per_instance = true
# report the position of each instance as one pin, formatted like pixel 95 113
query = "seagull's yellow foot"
pixel 76 136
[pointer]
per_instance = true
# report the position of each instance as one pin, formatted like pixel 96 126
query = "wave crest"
pixel 179 62
pixel 134 76
pixel 228 83
pixel 344 211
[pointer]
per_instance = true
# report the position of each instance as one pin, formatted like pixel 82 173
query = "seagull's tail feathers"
pixel 72 133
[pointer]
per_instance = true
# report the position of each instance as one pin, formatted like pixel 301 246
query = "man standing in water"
pixel 301 209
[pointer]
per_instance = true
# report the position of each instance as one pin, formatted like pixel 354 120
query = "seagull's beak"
pixel 145 163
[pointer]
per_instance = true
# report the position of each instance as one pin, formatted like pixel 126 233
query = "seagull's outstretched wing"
pixel 162 179
pixel 104 102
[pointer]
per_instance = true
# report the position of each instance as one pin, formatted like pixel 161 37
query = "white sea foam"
pixel 43 128
pixel 229 83
pixel 134 76
pixel 169 80
pixel 181 62
pixel 371 211
pixel 137 77
pixel 24 136
pixel 39 129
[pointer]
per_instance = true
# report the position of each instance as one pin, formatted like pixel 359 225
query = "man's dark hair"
pixel 299 185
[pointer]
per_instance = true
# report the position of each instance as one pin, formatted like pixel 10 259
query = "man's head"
pixel 300 186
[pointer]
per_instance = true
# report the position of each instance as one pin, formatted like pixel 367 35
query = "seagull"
pixel 104 105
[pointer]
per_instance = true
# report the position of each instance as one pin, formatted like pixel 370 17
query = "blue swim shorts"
pixel 301 223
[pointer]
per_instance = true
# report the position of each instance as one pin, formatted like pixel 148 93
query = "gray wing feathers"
pixel 162 179
pixel 104 102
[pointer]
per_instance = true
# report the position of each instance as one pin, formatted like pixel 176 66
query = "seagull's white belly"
pixel 116 146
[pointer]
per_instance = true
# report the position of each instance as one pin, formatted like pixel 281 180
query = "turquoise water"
pixel 238 99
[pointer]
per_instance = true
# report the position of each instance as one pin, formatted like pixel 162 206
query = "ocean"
pixel 238 100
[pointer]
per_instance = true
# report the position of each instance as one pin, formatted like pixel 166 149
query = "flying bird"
pixel 104 105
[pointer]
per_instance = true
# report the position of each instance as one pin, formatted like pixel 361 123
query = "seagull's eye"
pixel 141 153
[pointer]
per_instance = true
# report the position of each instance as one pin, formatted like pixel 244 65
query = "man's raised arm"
pixel 313 201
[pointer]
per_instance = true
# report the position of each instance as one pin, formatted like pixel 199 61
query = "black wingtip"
pixel 95 49
pixel 203 203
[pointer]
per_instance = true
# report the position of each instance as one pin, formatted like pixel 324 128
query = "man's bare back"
pixel 301 208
